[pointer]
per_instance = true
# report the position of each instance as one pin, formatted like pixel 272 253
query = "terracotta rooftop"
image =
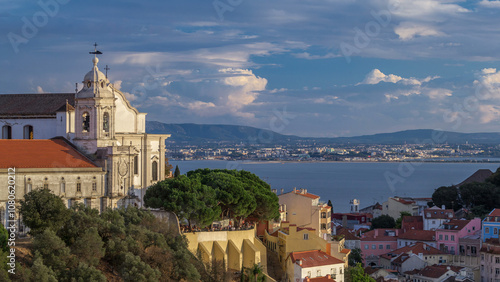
pixel 438 213
pixel 419 235
pixel 303 192
pixel 383 235
pixel 403 201
pixel 321 279
pixel 479 176
pixel 53 153
pixel 495 212
pixel 314 258
pixel 12 105
pixel 455 224
pixel 417 248
pixel 347 234
pixel 436 271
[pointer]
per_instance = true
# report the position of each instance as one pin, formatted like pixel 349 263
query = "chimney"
pixel 304 191
pixel 294 189
pixel 307 279
pixel 299 261
pixel 328 276
pixel 443 207
pixel 275 191
pixel 282 190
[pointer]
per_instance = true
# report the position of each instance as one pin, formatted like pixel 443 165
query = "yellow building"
pixel 234 248
pixel 305 210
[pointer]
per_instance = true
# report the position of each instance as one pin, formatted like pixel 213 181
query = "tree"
pixel 399 221
pixel 83 273
pixel 480 194
pixel 89 247
pixel 41 209
pixel 4 236
pixel 253 274
pixel 52 250
pixel 185 197
pixel 447 196
pixel 383 221
pixel 40 272
pixel 357 274
pixel 267 202
pixel 330 204
pixel 177 172
pixel 355 257
pixel 168 168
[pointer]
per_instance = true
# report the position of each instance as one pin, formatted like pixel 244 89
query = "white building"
pixel 102 125
pixel 435 217
pixel 313 264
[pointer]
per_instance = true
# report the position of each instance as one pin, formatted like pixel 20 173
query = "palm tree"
pixel 256 272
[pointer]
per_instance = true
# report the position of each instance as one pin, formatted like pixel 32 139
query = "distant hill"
pixel 190 133
pixel 216 133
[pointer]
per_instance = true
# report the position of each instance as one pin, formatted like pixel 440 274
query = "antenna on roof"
pixel 76 90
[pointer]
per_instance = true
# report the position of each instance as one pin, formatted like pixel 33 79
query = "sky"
pixel 319 68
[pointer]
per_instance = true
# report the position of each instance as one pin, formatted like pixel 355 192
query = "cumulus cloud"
pixel 408 31
pixel 489 113
pixel 376 76
pixel 490 3
pixel 488 84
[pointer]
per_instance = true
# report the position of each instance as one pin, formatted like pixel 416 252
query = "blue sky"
pixel 304 67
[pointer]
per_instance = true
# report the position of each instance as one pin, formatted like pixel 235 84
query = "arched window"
pixel 105 122
pixel 154 169
pixel 85 122
pixel 6 132
pixel 136 165
pixel 28 132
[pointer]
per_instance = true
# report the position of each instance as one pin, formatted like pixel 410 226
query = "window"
pixel 28 132
pixel 94 186
pixel 323 226
pixel 318 273
pixel 453 237
pixel 323 215
pixel 136 165
pixel 105 122
pixel 473 250
pixel 381 247
pixel 309 274
pixel 497 271
pixel 487 230
pixel 28 187
pixel 306 236
pixel 440 237
pixel 63 187
pixel 446 237
pixel 374 247
pixel 495 231
pixel 85 122
pixel 154 170
pixel 78 187
pixel 388 247
pixel 6 132
pixel 367 247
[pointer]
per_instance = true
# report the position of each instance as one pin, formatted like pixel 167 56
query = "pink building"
pixel 377 242
pixel 448 235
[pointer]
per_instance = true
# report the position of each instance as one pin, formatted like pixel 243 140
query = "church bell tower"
pixel 95 110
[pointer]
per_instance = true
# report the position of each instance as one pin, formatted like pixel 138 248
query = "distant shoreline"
pixel 416 161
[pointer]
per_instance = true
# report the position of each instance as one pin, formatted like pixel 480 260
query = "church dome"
pixel 95 84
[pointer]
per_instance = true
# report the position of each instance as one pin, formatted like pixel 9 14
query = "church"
pixel 90 146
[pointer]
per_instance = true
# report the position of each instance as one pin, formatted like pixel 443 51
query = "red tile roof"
pixel 436 271
pixel 305 228
pixel 382 235
pixel 455 224
pixel 419 235
pixel 417 248
pixel 347 234
pixel 345 251
pixel 304 193
pixel 438 213
pixel 403 201
pixel 314 258
pixel 321 279
pixel 495 212
pixel 53 153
